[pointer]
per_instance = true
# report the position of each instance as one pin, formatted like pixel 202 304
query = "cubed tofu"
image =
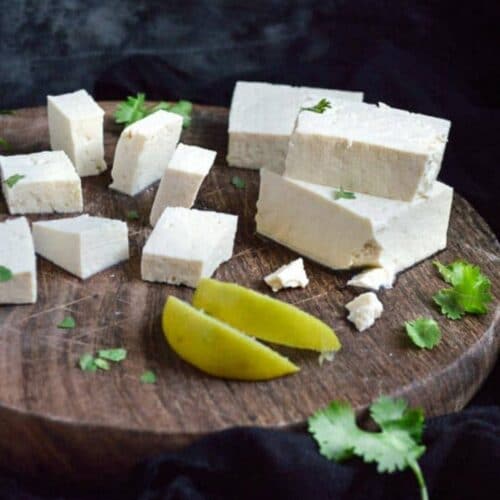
pixel 262 118
pixel 364 310
pixel 369 149
pixel 40 183
pixel 291 275
pixel 76 127
pixel 144 151
pixel 17 262
pixel 187 245
pixel 346 233
pixel 83 245
pixel 182 179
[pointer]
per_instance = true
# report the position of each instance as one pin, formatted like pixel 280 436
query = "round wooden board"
pixel 58 419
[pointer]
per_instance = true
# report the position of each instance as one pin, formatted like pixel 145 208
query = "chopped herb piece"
pixel 7 111
pixel 424 332
pixel 68 323
pixel 102 364
pixel 132 215
pixel 340 193
pixel 5 274
pixel 238 182
pixel 4 144
pixel 116 355
pixel 13 180
pixel 319 107
pixel 87 363
pixel 148 377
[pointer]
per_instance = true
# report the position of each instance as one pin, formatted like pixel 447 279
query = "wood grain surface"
pixel 57 419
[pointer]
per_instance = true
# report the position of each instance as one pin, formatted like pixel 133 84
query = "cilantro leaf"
pixel 238 182
pixel 87 363
pixel 320 107
pixel 396 446
pixel 13 180
pixel 5 274
pixel 470 292
pixel 4 144
pixel 132 215
pixel 424 332
pixel 116 355
pixel 148 377
pixel 102 364
pixel 340 193
pixel 68 323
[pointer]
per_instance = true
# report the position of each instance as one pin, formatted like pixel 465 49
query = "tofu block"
pixel 47 183
pixel 291 275
pixel 76 127
pixel 187 245
pixel 17 256
pixel 347 233
pixel 144 151
pixel 262 118
pixel 374 279
pixel 182 179
pixel 364 310
pixel 369 149
pixel 83 245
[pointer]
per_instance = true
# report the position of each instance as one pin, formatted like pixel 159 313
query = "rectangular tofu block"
pixel 346 233
pixel 369 149
pixel 187 245
pixel 83 245
pixel 182 179
pixel 144 151
pixel 40 183
pixel 76 127
pixel 262 118
pixel 18 262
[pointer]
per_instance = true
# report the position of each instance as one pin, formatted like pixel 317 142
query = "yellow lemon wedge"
pixel 217 348
pixel 263 317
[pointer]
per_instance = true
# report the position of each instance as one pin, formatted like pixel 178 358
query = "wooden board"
pixel 58 419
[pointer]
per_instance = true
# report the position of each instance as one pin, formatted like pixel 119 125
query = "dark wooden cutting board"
pixel 55 418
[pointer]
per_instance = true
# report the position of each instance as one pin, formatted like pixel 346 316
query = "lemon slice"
pixel 263 317
pixel 217 348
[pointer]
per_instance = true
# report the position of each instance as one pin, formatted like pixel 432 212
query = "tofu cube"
pixel 18 262
pixel 262 118
pixel 76 127
pixel 182 179
pixel 83 245
pixel 364 310
pixel 144 151
pixel 187 245
pixel 40 183
pixel 368 149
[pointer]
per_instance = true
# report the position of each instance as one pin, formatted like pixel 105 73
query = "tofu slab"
pixel 262 118
pixel 49 183
pixel 144 151
pixel 187 245
pixel 17 254
pixel 182 179
pixel 83 245
pixel 76 127
pixel 348 233
pixel 369 149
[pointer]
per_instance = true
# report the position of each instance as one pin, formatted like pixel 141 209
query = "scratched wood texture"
pixel 57 419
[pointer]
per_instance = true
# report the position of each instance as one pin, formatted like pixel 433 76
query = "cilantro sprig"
pixel 397 446
pixel 340 193
pixel 320 107
pixel 424 332
pixel 470 292
pixel 135 108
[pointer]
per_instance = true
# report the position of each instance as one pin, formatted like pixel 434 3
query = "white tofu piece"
pixel 364 310
pixel 17 255
pixel 347 233
pixel 369 149
pixel 83 245
pixel 292 275
pixel 374 279
pixel 76 127
pixel 187 245
pixel 144 151
pixel 49 183
pixel 262 118
pixel 182 179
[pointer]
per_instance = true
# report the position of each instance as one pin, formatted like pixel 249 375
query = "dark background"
pixel 439 58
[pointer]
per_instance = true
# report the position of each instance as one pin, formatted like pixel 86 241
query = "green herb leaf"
pixel 7 111
pixel 102 364
pixel 132 215
pixel 340 193
pixel 68 323
pixel 5 274
pixel 397 446
pixel 424 332
pixel 87 363
pixel 148 377
pixel 13 180
pixel 238 182
pixel 319 107
pixel 4 144
pixel 470 292
pixel 116 355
